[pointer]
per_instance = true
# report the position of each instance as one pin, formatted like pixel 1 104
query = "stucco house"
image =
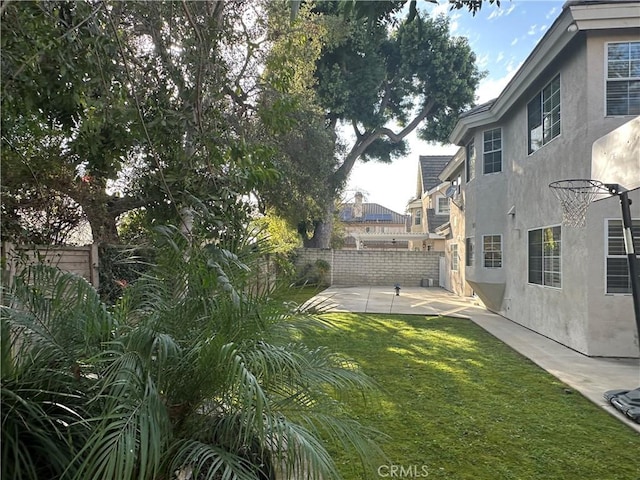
pixel 429 209
pixel 372 226
pixel 459 249
pixel 570 112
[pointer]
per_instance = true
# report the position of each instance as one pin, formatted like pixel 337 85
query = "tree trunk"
pixel 323 229
pixel 103 224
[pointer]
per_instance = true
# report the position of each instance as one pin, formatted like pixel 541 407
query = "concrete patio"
pixel 591 376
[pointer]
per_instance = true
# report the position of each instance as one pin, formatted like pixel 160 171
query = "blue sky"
pixel 502 38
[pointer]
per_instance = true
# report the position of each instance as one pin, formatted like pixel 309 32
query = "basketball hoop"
pixel 575 196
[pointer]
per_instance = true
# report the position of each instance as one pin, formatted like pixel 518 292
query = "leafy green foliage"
pixel 129 105
pixel 374 76
pixel 196 368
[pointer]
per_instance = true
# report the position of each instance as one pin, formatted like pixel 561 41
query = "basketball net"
pixel 575 196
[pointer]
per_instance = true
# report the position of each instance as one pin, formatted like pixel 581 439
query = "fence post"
pixel 94 266
pixel 8 250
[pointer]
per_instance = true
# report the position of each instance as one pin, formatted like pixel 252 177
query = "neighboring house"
pixel 571 111
pixel 372 226
pixel 430 207
pixel 459 249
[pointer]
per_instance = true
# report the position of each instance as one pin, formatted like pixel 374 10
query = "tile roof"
pixel 434 221
pixel 430 168
pixel 371 213
pixel 483 107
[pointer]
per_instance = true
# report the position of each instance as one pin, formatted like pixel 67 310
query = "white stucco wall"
pixel 578 314
pixel 612 328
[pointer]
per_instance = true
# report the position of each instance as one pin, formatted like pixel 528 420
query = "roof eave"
pixel 451 167
pixel 592 16
pixel 547 49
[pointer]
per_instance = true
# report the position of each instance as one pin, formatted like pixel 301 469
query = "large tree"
pixel 154 94
pixel 381 83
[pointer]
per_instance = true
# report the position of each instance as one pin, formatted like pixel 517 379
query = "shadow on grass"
pixel 463 405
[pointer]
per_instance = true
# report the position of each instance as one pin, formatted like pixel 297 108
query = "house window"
pixel 418 217
pixel 442 206
pixel 617 268
pixel 545 255
pixel 623 78
pixel 471 160
pixel 492 151
pixel 543 115
pixel 469 251
pixel 454 257
pixel 492 251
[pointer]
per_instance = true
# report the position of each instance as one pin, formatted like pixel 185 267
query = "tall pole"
pixel 632 260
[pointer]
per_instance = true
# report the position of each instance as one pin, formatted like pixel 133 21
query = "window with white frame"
pixel 492 251
pixel 545 256
pixel 623 78
pixel 617 267
pixel 454 257
pixel 543 115
pixel 492 151
pixel 469 251
pixel 442 206
pixel 418 217
pixel 470 163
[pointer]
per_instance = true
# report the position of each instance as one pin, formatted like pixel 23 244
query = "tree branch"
pixel 356 130
pixel 396 137
pixel 201 48
pixel 163 53
pixel 367 139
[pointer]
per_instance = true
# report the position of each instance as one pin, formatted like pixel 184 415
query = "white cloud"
pixel 483 60
pixel 514 41
pixel 498 12
pixel 551 13
pixel 440 9
pixel 454 23
pixel 513 67
pixel 543 28
pixel 532 30
pixel 491 87
pixel 500 57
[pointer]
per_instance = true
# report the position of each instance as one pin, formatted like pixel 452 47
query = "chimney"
pixel 357 206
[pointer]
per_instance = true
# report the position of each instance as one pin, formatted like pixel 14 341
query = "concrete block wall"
pixel 375 267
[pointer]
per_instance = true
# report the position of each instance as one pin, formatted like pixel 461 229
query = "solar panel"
pixel 378 217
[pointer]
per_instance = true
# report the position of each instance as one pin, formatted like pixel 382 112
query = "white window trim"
pixel 492 151
pixel 457 262
pixel 473 251
pixel 561 260
pixel 501 251
pixel 470 170
pixel 438 209
pixel 606 256
pixel 527 132
pixel 604 86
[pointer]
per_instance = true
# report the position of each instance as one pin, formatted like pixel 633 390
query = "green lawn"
pixel 458 404
pixel 300 295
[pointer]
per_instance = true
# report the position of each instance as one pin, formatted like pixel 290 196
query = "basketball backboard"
pixel 615 157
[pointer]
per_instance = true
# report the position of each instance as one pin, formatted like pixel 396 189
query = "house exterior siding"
pixel 517 200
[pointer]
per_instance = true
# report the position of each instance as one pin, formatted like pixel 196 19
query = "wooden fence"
pixel 80 260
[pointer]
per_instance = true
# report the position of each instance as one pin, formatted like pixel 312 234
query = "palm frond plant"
pixel 194 373
pixel 53 325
